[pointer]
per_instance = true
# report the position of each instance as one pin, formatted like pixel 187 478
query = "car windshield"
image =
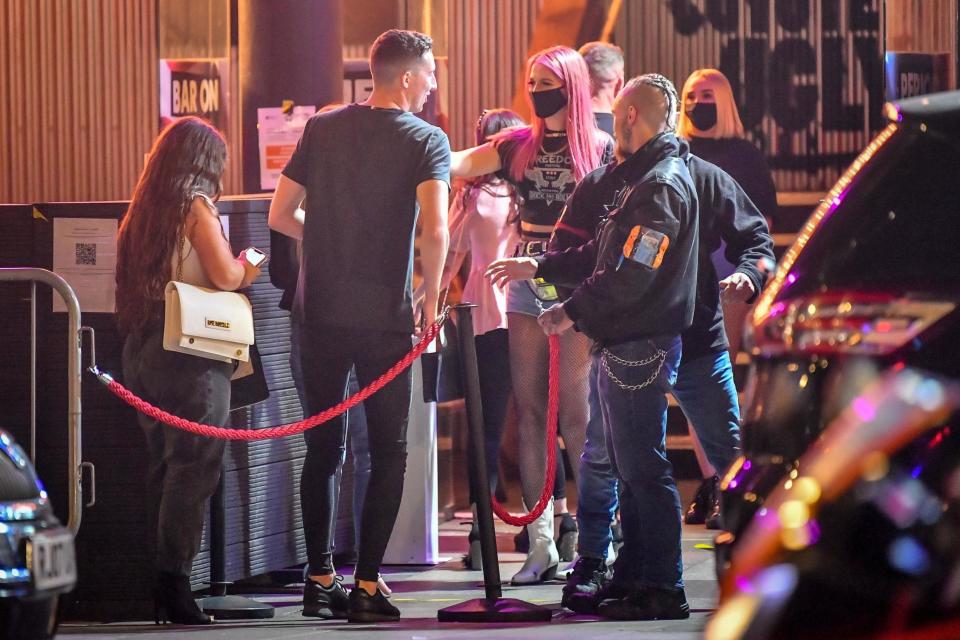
pixel 896 230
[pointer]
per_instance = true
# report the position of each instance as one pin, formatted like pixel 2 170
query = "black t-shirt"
pixel 546 185
pixel 361 167
pixel 604 121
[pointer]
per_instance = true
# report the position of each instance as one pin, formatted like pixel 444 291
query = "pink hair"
pixel 586 142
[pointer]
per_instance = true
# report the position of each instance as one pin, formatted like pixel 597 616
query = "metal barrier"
pixel 74 356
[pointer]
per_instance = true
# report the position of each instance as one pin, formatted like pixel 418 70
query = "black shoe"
pixel 371 608
pixel 567 537
pixel 612 590
pixel 616 531
pixel 328 603
pixel 473 560
pixel 173 601
pixel 521 541
pixel 648 603
pixel 697 510
pixel 584 584
pixel 712 510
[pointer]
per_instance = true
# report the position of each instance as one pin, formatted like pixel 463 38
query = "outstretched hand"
pixel 503 271
pixel 554 320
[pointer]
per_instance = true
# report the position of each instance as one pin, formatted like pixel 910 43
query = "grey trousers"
pixel 184 469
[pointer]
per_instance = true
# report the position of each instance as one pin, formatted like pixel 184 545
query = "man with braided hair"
pixel 634 293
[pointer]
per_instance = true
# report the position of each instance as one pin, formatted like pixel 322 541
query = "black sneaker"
pixel 371 608
pixel 712 512
pixel 583 585
pixel 648 603
pixel 697 509
pixel 325 602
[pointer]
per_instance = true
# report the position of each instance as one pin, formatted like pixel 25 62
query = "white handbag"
pixel 207 322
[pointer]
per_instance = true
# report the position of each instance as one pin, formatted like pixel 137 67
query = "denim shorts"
pixel 522 299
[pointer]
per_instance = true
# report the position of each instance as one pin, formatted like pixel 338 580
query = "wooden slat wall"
pixel 79 105
pixel 487 50
pixel 925 26
pixel 648 32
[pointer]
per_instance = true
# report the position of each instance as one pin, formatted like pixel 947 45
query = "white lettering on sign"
pixel 195 96
pixel 915 84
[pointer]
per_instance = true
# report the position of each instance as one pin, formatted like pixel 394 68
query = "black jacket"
pixel 616 299
pixel 725 213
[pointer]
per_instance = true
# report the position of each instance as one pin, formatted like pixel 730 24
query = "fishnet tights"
pixel 529 361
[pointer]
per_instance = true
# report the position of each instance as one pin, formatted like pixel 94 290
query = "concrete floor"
pixel 420 592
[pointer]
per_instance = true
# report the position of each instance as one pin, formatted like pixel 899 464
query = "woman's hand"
pixel 503 271
pixel 250 272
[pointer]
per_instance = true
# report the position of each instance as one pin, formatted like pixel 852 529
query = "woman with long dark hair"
pixel 544 161
pixel 172 231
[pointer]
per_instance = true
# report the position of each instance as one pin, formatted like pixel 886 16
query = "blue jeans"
pixel 596 484
pixel 635 428
pixel 705 392
pixel 708 398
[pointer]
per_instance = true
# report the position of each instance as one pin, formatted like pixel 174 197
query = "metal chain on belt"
pixel 660 356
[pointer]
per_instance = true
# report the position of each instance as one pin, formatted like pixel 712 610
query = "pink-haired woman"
pixel 544 161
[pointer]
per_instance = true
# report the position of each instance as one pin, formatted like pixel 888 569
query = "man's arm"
pixel 749 245
pixel 432 196
pixel 285 214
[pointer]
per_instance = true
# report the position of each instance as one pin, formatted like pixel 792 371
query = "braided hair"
pixel 666 88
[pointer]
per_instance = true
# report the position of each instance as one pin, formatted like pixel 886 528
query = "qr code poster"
pixel 85 255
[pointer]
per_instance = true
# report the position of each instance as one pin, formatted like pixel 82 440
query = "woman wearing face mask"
pixel 543 162
pixel 711 123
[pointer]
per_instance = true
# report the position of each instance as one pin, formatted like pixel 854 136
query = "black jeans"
pixel 493 368
pixel 184 469
pixel 327 353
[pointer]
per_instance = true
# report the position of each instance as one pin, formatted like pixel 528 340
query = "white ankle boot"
pixel 541 563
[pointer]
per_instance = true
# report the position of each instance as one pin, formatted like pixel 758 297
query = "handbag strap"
pixel 179 277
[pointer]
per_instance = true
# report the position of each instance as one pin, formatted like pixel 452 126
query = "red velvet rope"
pixel 223 433
pixel 283 430
pixel 553 410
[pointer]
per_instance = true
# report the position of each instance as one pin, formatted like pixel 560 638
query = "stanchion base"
pixel 499 610
pixel 235 608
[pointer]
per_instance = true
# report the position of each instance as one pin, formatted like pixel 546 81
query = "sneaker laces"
pixel 587 567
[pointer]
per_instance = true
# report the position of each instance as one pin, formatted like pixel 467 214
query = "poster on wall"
pixel 278 132
pixel 915 74
pixel 807 75
pixel 85 255
pixel 194 88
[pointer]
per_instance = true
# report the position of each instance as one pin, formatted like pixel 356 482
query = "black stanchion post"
pixel 492 608
pixel 219 604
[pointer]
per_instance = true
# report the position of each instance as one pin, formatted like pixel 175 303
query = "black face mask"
pixel 703 115
pixel 546 103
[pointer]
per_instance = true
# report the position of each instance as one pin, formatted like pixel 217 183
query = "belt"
pixel 531 248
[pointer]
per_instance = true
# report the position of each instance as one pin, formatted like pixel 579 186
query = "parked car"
pixel 37 561
pixel 871 285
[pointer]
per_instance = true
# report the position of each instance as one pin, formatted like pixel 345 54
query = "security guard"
pixel 634 294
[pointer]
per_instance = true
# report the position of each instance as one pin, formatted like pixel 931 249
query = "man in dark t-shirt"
pixel 366 172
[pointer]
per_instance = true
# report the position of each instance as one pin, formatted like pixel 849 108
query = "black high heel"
pixel 173 601
pixel 473 560
pixel 567 538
